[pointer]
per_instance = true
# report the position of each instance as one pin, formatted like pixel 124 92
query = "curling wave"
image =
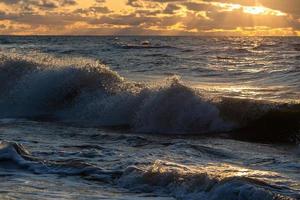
pixel 15 156
pixel 87 92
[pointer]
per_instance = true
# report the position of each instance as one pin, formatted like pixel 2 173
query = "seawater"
pixel 149 118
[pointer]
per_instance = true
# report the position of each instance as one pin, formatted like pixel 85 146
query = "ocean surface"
pixel 164 118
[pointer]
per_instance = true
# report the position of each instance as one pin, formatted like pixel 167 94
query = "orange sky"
pixel 150 17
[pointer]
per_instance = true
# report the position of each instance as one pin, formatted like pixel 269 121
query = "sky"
pixel 150 17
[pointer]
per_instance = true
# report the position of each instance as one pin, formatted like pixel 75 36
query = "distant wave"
pixel 5 41
pixel 265 46
pixel 297 47
pixel 161 177
pixel 230 50
pixel 227 51
pixel 147 45
pixel 88 93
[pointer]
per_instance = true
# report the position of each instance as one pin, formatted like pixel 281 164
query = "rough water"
pixel 149 118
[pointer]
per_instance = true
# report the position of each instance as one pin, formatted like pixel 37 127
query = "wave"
pixel 142 45
pixel 237 50
pixel 265 46
pixel 297 46
pixel 163 178
pixel 86 92
pixel 14 156
pixel 4 40
pixel 262 121
pixel 209 183
pixel 43 85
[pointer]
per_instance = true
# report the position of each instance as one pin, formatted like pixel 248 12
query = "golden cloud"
pixel 155 17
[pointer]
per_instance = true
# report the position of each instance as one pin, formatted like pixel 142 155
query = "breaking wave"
pixel 209 182
pixel 87 92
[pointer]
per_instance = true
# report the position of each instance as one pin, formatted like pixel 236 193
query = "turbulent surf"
pixel 149 118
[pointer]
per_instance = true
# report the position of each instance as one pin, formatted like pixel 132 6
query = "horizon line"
pixel 138 35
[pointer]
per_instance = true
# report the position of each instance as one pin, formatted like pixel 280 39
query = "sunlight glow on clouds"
pixel 260 10
pixel 150 17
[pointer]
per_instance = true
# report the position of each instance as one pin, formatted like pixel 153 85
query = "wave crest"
pixel 44 84
pixel 209 183
pixel 87 92
pixel 178 109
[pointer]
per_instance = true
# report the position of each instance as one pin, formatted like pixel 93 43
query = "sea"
pixel 149 117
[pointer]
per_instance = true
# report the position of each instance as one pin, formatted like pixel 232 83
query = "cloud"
pixel 42 4
pixel 287 6
pixel 2 26
pixel 149 16
pixel 45 20
pixel 94 10
pixel 171 9
pixel 68 2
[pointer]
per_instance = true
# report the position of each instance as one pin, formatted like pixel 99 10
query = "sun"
pixel 256 10
pixel 260 10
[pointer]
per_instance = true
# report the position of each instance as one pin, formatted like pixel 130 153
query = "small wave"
pixel 225 58
pixel 207 183
pixel 142 45
pixel 14 156
pixel 187 50
pixel 158 55
pixel 162 178
pixel 297 47
pixel 13 151
pixel 237 50
pixel 4 40
pixel 211 152
pixel 68 51
pixel 265 46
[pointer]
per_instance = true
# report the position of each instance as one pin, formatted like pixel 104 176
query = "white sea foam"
pixel 89 93
pixel 199 182
pixel 82 90
pixel 207 182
